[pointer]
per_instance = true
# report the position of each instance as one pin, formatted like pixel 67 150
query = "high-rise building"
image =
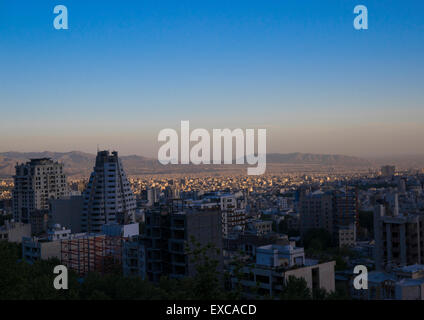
pixel 233 213
pixel 108 197
pixel 316 211
pixel 35 182
pixel 169 229
pixel 334 211
pixel 399 237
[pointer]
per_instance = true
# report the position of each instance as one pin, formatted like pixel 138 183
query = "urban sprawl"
pixel 262 231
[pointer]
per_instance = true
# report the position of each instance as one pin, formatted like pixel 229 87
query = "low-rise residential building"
pixel 34 249
pixel 275 264
pixel 13 231
pixel 402 283
pixel 259 227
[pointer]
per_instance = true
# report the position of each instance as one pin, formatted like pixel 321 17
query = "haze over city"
pixel 120 74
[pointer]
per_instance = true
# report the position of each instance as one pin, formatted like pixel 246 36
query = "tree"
pixel 317 239
pixel 296 289
pixel 207 283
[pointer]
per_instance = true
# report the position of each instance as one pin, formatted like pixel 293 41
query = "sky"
pixel 124 70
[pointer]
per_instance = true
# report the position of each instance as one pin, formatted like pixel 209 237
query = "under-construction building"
pixel 334 211
pixel 168 231
pixel 92 253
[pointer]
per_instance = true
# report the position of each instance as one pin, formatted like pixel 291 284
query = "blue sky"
pixel 124 70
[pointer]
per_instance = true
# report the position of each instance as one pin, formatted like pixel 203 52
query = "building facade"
pixel 399 237
pixel 169 232
pixel 334 211
pixel 108 197
pixel 233 213
pixel 35 182
pixel 67 212
pixel 14 231
pixel 275 264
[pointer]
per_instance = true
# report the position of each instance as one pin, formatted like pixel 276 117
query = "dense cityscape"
pixel 287 236
pixel 189 159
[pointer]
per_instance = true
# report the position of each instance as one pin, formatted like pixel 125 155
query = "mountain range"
pixel 81 164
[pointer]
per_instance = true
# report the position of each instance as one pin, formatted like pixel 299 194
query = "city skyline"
pixel 120 74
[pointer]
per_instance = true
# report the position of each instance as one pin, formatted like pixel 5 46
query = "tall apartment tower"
pixel 35 182
pixel 316 211
pixel 334 211
pixel 399 237
pixel 169 230
pixel 108 197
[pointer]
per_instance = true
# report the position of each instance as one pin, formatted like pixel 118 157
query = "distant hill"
pixel 75 162
pixel 81 164
pixel 319 159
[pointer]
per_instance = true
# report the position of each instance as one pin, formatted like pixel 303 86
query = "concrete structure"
pixel 248 243
pixel 67 212
pixel 233 213
pixel 411 283
pixel 331 210
pixel 108 197
pixel 403 283
pixel 169 229
pixel 88 252
pixel 119 230
pixel 399 237
pixel 275 264
pixel 58 233
pixel 275 256
pixel 35 182
pixel 34 249
pixel 134 257
pixel 381 286
pixel 14 231
pixel 259 227
pixel 347 236
pixel 46 247
pixel 39 222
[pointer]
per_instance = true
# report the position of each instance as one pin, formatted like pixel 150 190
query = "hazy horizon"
pixel 121 73
pixel 369 157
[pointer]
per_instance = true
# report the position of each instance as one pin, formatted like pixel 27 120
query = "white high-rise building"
pixel 108 197
pixel 35 182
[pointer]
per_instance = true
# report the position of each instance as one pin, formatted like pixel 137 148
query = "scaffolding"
pixel 92 253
